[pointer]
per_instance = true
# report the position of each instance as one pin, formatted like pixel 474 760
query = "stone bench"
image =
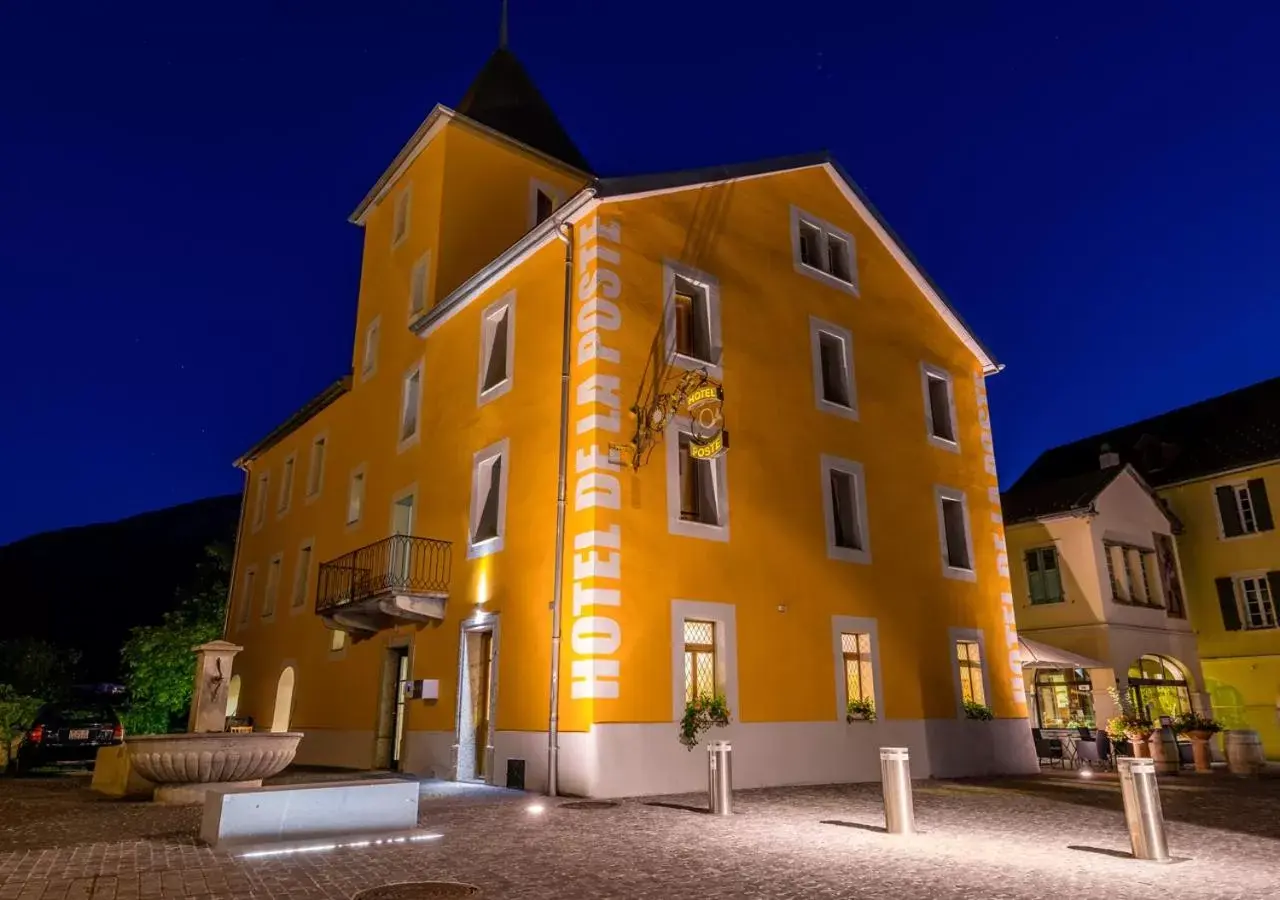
pixel 241 817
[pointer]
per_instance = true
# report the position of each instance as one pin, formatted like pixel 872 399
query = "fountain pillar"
pixel 213 681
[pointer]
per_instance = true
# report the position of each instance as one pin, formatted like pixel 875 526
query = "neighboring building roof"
pixel 1073 494
pixel 310 410
pixel 504 97
pixel 1222 434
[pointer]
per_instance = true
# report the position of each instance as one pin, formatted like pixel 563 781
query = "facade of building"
pixel 1095 572
pixel 511 545
pixel 1214 466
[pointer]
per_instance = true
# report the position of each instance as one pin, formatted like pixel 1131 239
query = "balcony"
pixel 400 580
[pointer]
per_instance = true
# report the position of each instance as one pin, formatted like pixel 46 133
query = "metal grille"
pixel 701 633
pixel 400 562
pixel 699 659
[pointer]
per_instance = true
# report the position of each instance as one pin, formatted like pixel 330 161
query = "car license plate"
pixel 79 734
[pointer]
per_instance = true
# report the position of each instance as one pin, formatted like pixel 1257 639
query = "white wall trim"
pixel 248 581
pixel 861 625
pixel 488 322
pixel 304 574
pixel 261 498
pixel 710 286
pixel 369 348
pixel 828 464
pixel 491 545
pixel 420 284
pixel 817 327
pixel 402 211
pixel 941 493
pixel 288 472
pixel 720 472
pixel 311 461
pixel 828 230
pixel 403 441
pixel 360 470
pixel 955 635
pixel 724 615
pixel 271 590
pixel 929 371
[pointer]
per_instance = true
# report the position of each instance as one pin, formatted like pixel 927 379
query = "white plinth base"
pixel 238 817
pixel 194 794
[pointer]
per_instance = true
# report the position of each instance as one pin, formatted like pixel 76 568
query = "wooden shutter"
pixel 1273 579
pixel 1261 507
pixel 1227 601
pixel 1230 513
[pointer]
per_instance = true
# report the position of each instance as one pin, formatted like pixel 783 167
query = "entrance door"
pixel 397 711
pixel 481 694
pixel 475 706
pixel 389 742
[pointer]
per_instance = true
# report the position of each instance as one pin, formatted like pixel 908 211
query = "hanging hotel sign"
pixel 708 437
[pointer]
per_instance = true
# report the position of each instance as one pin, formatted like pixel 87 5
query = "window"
pixel 692 318
pixel 1244 508
pixel 315 468
pixel 544 206
pixel 301 576
pixel 337 640
pixel 355 497
pixel 260 501
pixel 822 251
pixel 1044 580
pixel 400 219
pixel 697 489
pixel 1257 602
pixel 273 586
pixel 544 200
pixel 939 407
pixel 856 649
pixel 497 348
pixel 369 362
pixel 246 601
pixel 699 659
pixel 488 500
pixel 969 659
pixel 286 486
pixel 953 534
pixel 418 285
pixel 1130 570
pixel 833 384
pixel 410 405
pixel 844 506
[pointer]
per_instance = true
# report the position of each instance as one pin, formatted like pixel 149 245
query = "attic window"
pixel 544 200
pixel 543 207
pixel 823 252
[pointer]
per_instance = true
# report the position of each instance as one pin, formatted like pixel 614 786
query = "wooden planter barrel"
pixel 1244 752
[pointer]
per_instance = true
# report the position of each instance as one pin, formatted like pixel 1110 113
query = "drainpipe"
pixel 565 233
pixel 235 555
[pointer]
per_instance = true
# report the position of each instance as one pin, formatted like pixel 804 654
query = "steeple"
pixel 504 97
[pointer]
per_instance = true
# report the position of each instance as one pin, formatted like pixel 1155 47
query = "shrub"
pixel 861 708
pixel 700 714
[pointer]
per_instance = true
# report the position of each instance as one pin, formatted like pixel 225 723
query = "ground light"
pixel 535 809
pixel 1086 773
pixel 340 845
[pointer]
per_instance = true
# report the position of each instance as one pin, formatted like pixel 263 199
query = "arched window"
pixel 1158 687
pixel 284 701
pixel 233 696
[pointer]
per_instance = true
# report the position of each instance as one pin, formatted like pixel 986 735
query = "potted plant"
pixel 861 709
pixel 1129 726
pixel 700 714
pixel 980 711
pixel 1200 730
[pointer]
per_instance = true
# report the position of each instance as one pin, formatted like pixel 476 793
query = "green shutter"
pixel 1227 602
pixel 1261 507
pixel 1230 513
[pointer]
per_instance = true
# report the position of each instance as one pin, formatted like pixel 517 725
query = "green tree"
pixel 37 668
pixel 158 663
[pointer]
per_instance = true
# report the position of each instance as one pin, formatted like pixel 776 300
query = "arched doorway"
pixel 1158 687
pixel 284 701
pixel 233 696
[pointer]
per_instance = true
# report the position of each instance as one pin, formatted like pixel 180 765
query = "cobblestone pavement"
pixel 1054 836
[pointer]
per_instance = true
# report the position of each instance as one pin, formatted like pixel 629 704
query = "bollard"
pixel 1142 812
pixel 895 779
pixel 720 778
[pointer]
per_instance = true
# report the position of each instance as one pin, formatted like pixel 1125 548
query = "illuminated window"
pixel 953 533
pixel 1044 581
pixel 273 586
pixel 286 487
pixel 488 500
pixel 699 659
pixel 856 648
pixel 939 406
pixel 337 640
pixel 301 576
pixel 400 218
pixel 260 500
pixel 823 251
pixel 969 657
pixel 418 285
pixel 410 405
pixel 693 320
pixel 369 362
pixel 497 348
pixel 698 490
pixel 315 469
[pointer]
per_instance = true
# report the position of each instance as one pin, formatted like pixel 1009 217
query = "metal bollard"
pixel 895 779
pixel 720 778
pixel 1142 812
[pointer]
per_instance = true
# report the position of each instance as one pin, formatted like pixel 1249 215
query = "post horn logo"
pixel 708 437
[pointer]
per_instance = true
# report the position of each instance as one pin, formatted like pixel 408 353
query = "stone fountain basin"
pixel 184 765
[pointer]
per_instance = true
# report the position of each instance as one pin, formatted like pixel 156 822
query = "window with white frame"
pixel 691 318
pixel 1044 580
pixel 697 489
pixel 855 648
pixel 1257 601
pixel 418 285
pixel 1244 508
pixel 833 384
pixel 315 467
pixel 286 486
pixel 544 200
pixel 488 500
pixel 699 659
pixel 497 348
pixel 246 599
pixel 355 496
pixel 260 500
pixel 822 251
pixel 369 360
pixel 969 660
pixel 1132 573
pixel 939 406
pixel 301 576
pixel 400 217
pixel 273 586
pixel 410 405
pixel 845 510
pixel 953 534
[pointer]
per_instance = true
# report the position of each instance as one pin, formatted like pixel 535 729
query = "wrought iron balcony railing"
pixel 399 564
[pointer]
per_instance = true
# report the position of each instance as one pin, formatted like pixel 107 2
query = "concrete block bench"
pixel 237 817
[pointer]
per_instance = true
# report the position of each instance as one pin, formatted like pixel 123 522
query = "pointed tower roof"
pixel 504 97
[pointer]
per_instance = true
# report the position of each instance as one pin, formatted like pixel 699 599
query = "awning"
pixel 1036 655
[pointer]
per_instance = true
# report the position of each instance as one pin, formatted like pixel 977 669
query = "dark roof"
pixel 1233 431
pixel 637 184
pixel 1056 498
pixel 504 97
pixel 309 410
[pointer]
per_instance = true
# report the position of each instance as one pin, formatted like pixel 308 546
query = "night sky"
pixel 1096 191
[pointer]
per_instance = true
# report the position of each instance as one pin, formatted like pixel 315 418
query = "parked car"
pixel 68 734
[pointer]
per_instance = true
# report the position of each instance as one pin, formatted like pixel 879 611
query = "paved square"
pixel 1052 836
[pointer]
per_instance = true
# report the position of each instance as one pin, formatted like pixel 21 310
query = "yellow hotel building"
pixel 1214 466
pixel 512 543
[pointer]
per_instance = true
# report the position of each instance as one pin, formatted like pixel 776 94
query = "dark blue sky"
pixel 1096 190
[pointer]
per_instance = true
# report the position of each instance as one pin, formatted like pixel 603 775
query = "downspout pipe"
pixel 235 555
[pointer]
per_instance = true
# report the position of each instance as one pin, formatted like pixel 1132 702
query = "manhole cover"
pixel 419 890
pixel 589 804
